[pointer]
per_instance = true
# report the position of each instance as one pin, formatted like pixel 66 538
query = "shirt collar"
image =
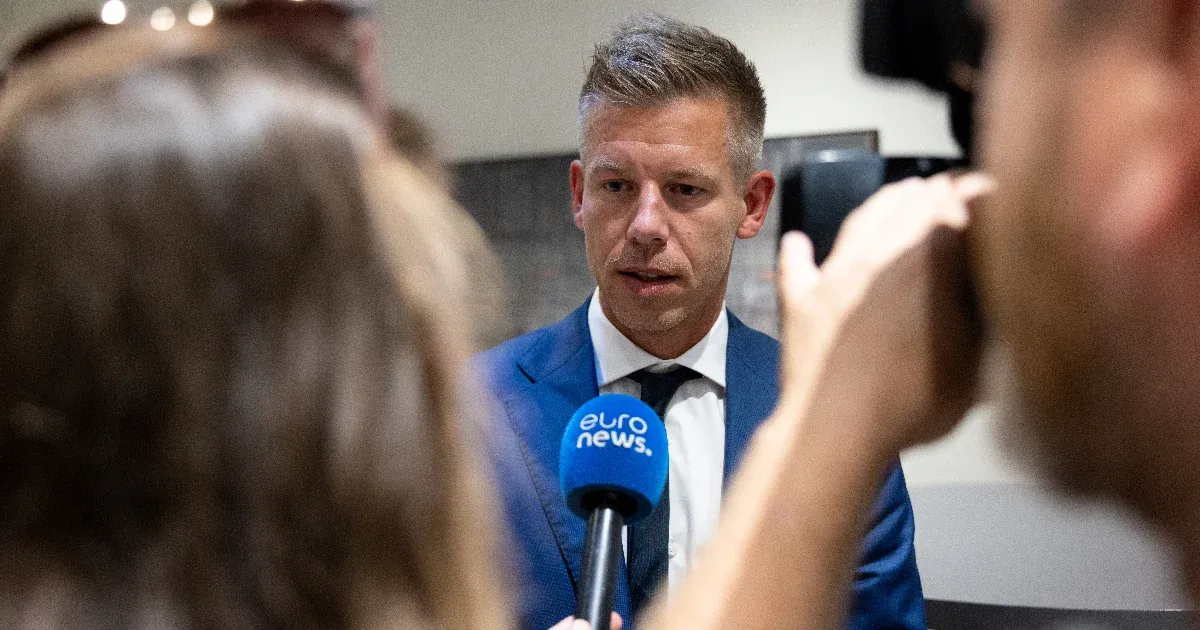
pixel 618 357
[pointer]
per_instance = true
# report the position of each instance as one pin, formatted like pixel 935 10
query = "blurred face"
pixel 1085 273
pixel 349 42
pixel 656 198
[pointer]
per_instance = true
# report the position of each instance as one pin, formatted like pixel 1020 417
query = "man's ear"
pixel 577 192
pixel 759 192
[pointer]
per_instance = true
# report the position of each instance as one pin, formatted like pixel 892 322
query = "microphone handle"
pixel 601 549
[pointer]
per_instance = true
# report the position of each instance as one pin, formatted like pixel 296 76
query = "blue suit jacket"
pixel 541 378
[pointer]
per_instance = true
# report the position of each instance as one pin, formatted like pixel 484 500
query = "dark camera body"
pixel 939 43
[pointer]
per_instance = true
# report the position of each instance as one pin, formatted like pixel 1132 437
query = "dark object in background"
pixel 902 167
pixel 816 196
pixel 937 42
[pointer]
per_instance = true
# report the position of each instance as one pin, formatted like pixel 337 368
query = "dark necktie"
pixel 648 539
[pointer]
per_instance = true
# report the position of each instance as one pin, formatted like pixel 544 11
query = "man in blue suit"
pixel 671 120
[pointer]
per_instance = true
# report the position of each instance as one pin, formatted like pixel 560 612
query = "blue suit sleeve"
pixel 887 586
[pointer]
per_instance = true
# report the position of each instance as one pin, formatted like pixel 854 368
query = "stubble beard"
pixel 659 314
pixel 648 320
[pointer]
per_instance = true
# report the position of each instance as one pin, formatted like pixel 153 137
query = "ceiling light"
pixel 113 12
pixel 201 13
pixel 162 19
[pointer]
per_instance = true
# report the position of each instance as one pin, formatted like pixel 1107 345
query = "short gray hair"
pixel 651 60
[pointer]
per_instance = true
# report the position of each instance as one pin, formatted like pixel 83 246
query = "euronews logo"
pixel 623 431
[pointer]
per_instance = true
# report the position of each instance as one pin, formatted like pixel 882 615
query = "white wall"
pixel 973 454
pixel 501 77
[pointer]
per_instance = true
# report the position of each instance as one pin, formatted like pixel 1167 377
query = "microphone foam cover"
pixel 614 443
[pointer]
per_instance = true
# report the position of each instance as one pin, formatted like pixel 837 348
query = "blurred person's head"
pixel 1089 254
pixel 343 32
pixel 340 33
pixel 48 38
pixel 412 138
pixel 229 393
pixel 671 128
pixel 484 297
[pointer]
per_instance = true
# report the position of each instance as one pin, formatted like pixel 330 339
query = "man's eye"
pixel 614 186
pixel 687 190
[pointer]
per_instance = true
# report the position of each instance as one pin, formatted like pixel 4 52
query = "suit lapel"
pixel 563 374
pixel 751 388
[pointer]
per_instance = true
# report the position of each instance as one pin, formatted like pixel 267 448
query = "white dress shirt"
pixel 695 427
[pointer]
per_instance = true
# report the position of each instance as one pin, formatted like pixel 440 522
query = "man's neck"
pixel 671 343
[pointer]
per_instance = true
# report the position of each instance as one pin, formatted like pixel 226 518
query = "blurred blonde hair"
pixel 481 274
pixel 233 376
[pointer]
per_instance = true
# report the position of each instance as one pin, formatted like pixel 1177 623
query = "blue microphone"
pixel 612 465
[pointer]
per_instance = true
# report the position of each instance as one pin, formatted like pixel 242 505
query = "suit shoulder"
pixel 502 366
pixel 762 341
pixel 498 365
pixel 752 343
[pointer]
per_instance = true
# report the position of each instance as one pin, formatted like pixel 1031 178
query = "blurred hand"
pixel 570 623
pixel 888 321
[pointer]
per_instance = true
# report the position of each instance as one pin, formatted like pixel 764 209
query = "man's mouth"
pixel 647 277
pixel 647 283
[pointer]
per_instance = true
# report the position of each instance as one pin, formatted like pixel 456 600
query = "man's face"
pixel 656 198
pixel 1078 281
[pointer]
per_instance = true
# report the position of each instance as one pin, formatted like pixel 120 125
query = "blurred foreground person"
pixel 230 387
pixel 1087 257
pixel 343 33
pixel 1089 253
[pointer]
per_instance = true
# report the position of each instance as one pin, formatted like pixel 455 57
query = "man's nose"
pixel 649 223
